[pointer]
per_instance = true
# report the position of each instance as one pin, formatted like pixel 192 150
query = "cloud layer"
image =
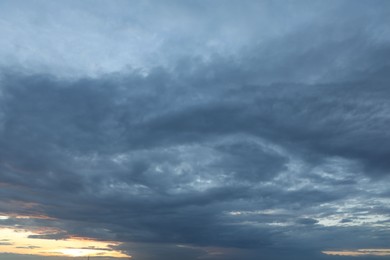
pixel 234 135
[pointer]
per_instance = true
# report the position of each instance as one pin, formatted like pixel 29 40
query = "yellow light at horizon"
pixel 77 252
pixel 18 242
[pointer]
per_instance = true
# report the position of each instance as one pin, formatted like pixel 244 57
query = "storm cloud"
pixel 186 130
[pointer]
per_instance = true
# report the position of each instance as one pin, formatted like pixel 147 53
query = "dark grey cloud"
pixel 307 221
pixel 271 146
pixel 28 247
pixel 5 243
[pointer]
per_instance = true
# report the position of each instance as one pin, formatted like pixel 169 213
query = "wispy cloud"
pixel 359 252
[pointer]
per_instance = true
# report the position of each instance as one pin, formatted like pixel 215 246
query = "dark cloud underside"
pixel 269 147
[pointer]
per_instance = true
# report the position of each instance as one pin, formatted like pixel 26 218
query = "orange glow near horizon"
pixel 16 241
pixel 360 252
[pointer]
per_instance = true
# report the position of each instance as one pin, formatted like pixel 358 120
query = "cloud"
pixel 360 252
pixel 5 243
pixel 29 247
pixel 276 140
pixel 307 221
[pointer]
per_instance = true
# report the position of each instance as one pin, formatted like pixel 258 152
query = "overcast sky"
pixel 195 129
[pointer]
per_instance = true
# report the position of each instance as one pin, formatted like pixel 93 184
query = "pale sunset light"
pixel 18 242
pixel 359 252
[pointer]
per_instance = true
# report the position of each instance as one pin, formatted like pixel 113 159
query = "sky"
pixel 175 129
